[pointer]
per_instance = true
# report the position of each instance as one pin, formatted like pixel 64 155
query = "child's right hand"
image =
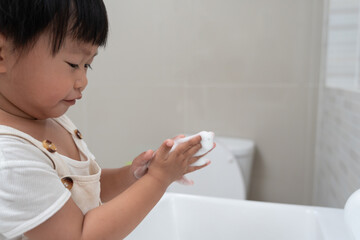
pixel 167 167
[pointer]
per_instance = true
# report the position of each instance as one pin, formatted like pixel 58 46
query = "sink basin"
pixel 188 217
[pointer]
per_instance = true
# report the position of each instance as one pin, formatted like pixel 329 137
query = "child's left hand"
pixel 140 164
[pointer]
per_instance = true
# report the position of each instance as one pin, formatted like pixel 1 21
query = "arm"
pixel 115 181
pixel 118 217
pixel 113 220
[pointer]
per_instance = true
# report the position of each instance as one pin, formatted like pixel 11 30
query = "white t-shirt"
pixel 30 189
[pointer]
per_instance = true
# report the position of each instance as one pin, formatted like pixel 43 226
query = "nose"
pixel 81 81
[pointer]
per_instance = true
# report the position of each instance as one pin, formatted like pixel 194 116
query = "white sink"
pixel 188 217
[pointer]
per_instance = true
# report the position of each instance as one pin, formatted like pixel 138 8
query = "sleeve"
pixel 30 189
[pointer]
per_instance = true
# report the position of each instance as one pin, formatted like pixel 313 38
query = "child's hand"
pixel 185 181
pixel 169 166
pixel 140 164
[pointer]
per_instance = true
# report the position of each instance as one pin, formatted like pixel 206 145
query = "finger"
pixel 195 168
pixel 184 147
pixel 214 146
pixel 194 159
pixel 193 150
pixel 140 171
pixel 144 157
pixel 154 153
pixel 148 154
pixel 165 148
pixel 199 162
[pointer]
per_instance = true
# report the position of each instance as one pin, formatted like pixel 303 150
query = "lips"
pixel 73 99
pixel 70 102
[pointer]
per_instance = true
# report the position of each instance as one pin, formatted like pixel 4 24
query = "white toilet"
pixel 227 176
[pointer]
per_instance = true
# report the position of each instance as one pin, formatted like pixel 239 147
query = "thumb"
pixel 148 155
pixel 144 157
pixel 165 147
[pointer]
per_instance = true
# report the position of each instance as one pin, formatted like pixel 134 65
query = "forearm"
pixel 112 220
pixel 118 217
pixel 115 181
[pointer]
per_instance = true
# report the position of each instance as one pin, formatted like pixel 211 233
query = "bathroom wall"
pixel 241 68
pixel 338 152
pixel 338 132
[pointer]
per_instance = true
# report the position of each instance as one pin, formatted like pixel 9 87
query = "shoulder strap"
pixel 9 131
pixel 66 123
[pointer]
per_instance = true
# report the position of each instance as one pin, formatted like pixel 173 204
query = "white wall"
pixel 243 68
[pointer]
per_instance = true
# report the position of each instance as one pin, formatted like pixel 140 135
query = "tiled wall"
pixel 338 147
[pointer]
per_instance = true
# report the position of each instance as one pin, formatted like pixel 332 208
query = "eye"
pixel 73 65
pixel 76 66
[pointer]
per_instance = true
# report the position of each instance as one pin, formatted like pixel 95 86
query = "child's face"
pixel 42 85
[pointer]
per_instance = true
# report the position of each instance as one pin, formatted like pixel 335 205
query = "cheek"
pixel 44 80
pixel 45 90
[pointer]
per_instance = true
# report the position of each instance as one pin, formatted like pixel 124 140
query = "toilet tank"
pixel 227 176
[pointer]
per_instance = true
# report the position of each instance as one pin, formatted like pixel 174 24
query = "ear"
pixel 3 42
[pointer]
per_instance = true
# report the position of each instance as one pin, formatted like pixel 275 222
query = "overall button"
pixel 68 182
pixel 78 134
pixel 49 146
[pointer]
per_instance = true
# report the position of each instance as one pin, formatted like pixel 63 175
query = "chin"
pixel 56 115
pixel 53 114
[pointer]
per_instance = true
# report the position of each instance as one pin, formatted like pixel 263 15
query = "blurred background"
pixel 241 68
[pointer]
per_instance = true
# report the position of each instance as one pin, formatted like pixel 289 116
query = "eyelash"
pixel 76 66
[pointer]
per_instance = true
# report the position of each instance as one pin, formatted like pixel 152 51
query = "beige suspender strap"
pixel 13 132
pixel 66 123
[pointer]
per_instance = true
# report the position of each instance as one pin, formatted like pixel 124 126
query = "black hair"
pixel 23 21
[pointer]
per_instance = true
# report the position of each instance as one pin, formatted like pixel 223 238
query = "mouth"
pixel 70 102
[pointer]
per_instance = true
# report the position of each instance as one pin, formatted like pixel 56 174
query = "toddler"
pixel 50 184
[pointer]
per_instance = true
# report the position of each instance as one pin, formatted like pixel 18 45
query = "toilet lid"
pixel 222 178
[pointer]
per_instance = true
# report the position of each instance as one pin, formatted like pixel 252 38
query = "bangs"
pixel 82 20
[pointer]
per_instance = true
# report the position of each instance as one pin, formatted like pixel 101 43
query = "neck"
pixel 10 109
